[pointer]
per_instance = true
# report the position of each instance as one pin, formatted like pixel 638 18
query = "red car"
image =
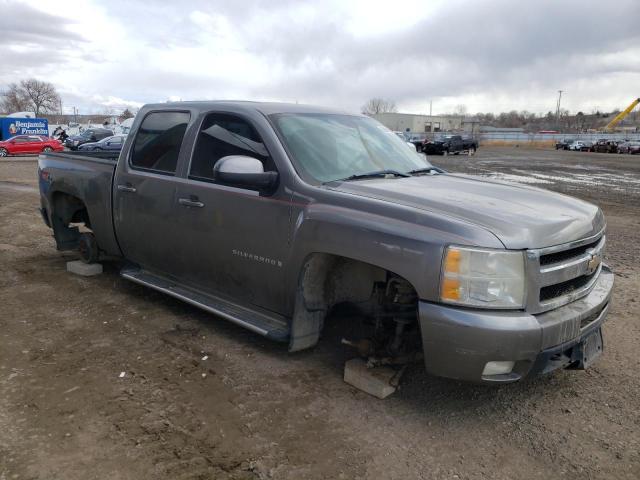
pixel 29 144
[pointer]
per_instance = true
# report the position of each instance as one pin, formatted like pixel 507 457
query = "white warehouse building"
pixel 409 122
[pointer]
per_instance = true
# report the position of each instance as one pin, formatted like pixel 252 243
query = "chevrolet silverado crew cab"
pixel 270 215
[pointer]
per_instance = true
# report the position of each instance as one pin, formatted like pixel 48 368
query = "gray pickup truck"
pixel 270 215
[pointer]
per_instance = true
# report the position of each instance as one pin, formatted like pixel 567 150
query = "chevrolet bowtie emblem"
pixel 593 263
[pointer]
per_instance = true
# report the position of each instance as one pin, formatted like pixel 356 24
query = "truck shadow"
pixel 320 369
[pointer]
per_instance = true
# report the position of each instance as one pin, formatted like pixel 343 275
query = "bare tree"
pixel 460 110
pixel 12 101
pixel 31 94
pixel 379 105
pixel 126 114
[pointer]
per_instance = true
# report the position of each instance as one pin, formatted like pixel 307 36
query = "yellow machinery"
pixel 618 118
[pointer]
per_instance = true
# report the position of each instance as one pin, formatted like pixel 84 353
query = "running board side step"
pixel 269 325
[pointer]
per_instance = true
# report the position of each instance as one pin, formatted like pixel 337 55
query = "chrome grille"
pixel 561 274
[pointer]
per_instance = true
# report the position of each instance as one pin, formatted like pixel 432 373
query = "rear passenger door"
pixel 145 193
pixel 33 145
pixel 234 239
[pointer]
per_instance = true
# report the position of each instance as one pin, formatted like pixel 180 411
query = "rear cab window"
pixel 158 141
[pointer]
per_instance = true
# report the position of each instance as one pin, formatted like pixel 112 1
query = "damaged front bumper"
pixel 459 342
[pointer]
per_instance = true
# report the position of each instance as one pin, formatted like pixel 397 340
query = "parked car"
pixel 29 144
pixel 417 139
pixel 605 146
pixel 448 144
pixel 108 143
pixel 577 146
pixel 586 146
pixel 469 143
pixel 270 214
pixel 632 147
pixel 88 136
pixel 564 143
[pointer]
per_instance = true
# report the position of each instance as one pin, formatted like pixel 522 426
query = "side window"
pixel 222 135
pixel 158 141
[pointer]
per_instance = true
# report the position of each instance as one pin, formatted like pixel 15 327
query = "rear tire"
pixel 47 149
pixel 88 247
pixel 3 152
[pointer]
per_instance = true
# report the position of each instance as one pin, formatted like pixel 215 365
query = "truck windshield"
pixel 327 147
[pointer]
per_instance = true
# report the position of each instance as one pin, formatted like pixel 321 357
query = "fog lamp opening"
pixel 498 368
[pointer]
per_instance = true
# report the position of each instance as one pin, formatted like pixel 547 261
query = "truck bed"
pixel 87 177
pixel 111 157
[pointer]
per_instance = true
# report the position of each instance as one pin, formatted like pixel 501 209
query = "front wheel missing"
pixel 88 247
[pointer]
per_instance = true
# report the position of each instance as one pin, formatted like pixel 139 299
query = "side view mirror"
pixel 243 171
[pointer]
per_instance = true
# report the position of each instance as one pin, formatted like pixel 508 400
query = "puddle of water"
pixel 619 182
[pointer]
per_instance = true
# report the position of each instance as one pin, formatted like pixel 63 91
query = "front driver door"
pixel 20 145
pixel 234 239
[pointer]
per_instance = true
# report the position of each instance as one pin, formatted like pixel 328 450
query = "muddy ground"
pixel 251 410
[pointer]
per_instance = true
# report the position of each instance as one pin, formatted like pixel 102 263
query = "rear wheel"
pixel 88 247
pixel 3 152
pixel 47 149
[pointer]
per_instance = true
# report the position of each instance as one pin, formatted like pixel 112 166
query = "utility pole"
pixel 558 107
pixel 430 107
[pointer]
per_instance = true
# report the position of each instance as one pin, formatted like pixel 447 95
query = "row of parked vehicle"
pixel 601 146
pixel 97 139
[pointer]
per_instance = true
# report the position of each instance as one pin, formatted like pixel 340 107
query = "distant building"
pixel 409 122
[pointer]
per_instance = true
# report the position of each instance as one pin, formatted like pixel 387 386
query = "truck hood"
pixel 520 216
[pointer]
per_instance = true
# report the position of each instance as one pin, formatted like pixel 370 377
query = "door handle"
pixel 188 202
pixel 127 188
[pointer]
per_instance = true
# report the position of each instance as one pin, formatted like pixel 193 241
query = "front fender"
pixel 408 243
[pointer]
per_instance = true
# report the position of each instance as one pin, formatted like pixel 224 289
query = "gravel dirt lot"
pixel 252 411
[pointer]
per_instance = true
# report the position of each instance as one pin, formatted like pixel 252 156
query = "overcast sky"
pixel 491 55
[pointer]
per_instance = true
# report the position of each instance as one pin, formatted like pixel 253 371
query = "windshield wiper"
pixel 376 173
pixel 424 170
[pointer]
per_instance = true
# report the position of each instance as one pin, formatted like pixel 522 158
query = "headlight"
pixel 476 277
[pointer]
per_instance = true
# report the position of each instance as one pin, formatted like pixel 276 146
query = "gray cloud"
pixel 463 48
pixel 22 24
pixel 31 41
pixel 514 51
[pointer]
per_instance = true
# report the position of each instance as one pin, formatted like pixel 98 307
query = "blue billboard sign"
pixel 23 126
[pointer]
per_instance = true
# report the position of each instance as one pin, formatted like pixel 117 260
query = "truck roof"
pixel 266 108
